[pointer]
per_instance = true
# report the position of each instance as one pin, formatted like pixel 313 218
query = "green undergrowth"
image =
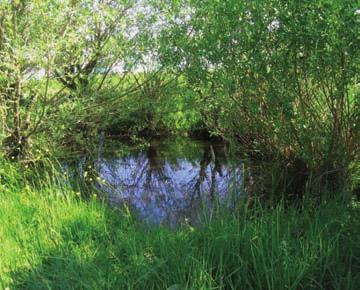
pixel 52 239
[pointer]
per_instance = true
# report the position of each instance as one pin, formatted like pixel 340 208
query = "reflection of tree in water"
pixel 155 174
pixel 211 155
pixel 165 190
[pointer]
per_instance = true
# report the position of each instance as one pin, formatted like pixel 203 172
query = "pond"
pixel 169 180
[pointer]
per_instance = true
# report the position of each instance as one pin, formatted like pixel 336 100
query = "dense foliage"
pixel 58 59
pixel 280 76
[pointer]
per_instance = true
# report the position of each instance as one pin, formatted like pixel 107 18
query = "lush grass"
pixel 51 239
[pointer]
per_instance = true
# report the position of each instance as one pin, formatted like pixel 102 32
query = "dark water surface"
pixel 169 180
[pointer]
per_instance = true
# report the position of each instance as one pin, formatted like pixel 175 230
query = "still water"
pixel 169 180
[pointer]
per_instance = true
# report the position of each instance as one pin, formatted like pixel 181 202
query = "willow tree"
pixel 280 76
pixel 27 53
pixel 61 58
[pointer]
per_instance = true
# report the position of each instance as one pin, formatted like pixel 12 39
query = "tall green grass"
pixel 52 239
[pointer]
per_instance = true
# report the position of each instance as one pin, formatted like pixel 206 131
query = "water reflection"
pixel 171 180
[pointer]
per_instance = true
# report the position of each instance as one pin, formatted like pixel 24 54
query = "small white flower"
pixel 357 11
pixel 274 25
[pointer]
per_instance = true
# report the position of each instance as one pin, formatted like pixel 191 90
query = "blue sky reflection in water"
pixel 171 180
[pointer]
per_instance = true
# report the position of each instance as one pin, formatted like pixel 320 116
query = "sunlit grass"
pixel 50 238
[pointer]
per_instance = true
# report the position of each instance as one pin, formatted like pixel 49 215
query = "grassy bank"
pixel 51 239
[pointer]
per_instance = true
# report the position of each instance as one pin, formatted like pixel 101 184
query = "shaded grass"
pixel 51 239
